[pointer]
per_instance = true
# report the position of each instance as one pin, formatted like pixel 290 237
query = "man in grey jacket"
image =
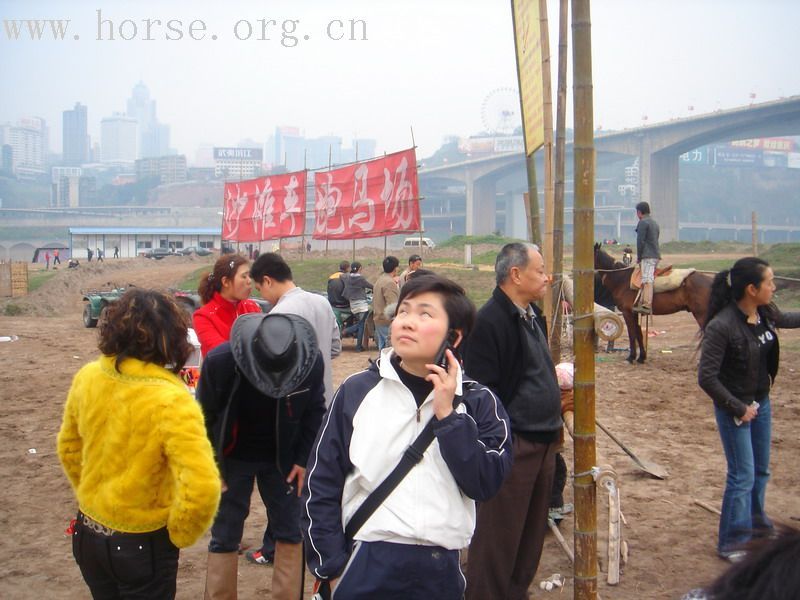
pixel 647 255
pixel 272 277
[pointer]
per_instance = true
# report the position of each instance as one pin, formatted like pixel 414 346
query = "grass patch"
pixel 713 265
pixel 312 275
pixel 37 278
pixel 12 310
pixel 703 247
pixel 458 241
pixel 786 255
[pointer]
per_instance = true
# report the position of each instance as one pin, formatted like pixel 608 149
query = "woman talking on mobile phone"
pixel 738 364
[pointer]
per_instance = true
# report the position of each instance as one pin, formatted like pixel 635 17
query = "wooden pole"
pixel 560 166
pixel 585 491
pixel 550 300
pixel 755 233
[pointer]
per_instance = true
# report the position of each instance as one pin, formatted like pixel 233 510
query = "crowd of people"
pixel 449 440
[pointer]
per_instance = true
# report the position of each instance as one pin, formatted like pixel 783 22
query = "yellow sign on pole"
pixel 528 42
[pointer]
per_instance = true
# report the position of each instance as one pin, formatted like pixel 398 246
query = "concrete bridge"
pixel 657 146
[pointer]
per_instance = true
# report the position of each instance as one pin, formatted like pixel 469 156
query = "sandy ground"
pixel 656 409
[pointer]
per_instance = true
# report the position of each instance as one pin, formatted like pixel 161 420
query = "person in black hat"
pixel 263 398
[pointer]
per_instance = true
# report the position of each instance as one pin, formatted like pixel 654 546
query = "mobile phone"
pixel 441 356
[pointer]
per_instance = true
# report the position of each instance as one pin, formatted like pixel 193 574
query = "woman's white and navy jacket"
pixel 372 419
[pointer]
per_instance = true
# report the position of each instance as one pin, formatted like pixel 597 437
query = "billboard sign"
pixel 255 154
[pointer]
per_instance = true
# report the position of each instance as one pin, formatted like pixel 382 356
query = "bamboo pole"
pixel 560 166
pixel 550 300
pixel 754 226
pixel 583 330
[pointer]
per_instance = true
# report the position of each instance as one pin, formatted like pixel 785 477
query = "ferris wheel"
pixel 500 112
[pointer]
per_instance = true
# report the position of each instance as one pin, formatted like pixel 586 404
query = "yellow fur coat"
pixel 134 447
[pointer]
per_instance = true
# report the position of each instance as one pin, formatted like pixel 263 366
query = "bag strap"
pixel 412 455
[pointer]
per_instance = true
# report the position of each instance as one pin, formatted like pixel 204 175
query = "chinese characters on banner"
pixel 368 199
pixel 266 208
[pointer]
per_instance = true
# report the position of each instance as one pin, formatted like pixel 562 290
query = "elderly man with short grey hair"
pixel 508 352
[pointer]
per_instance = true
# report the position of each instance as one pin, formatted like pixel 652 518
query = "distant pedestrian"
pixel 385 294
pixel 116 251
pixel 308 247
pixel 414 263
pixel 355 290
pixel 99 255
pixel 89 255
pixel 56 259
pixel 47 260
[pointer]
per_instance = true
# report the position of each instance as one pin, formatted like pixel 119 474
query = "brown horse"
pixel 692 295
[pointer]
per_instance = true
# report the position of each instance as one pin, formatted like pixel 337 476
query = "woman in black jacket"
pixel 739 361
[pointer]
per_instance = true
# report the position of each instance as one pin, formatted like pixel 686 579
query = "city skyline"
pixel 429 67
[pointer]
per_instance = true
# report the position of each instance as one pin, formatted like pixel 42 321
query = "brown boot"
pixel 221 575
pixel 287 572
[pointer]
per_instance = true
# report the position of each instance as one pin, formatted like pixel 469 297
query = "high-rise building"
pixel 28 141
pixel 75 146
pixel 289 148
pixel 118 135
pixel 6 159
pixel 153 137
pixel 168 169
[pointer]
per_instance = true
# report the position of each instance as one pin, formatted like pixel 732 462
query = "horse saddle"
pixel 667 278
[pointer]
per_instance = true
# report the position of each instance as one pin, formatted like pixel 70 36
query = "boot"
pixel 646 302
pixel 287 572
pixel 221 575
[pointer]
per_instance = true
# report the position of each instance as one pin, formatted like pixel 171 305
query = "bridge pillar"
pixel 481 205
pixel 658 182
pixel 664 193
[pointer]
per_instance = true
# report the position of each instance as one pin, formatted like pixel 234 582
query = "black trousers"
pixel 126 566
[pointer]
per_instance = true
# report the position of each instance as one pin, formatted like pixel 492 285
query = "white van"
pixel 414 242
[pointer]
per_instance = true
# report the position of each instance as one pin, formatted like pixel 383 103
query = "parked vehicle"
pixel 414 242
pixel 189 250
pixel 98 300
pixel 157 253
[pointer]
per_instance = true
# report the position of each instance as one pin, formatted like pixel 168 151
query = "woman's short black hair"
pixel 460 309
pixel 148 325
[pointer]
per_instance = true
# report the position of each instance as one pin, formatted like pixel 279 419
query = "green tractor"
pixel 98 300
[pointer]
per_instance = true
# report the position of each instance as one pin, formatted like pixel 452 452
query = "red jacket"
pixel 213 321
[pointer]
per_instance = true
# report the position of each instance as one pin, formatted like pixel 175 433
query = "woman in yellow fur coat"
pixel 134 447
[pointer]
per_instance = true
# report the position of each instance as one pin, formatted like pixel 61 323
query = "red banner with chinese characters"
pixel 266 208
pixel 368 199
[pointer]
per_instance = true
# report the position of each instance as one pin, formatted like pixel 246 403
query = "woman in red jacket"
pixel 225 294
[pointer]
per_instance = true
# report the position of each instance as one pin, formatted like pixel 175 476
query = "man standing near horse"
pixel 647 255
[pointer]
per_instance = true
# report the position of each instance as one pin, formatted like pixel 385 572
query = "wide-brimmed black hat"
pixel 275 352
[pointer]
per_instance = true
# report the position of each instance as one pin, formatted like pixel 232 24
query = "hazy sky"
pixel 427 64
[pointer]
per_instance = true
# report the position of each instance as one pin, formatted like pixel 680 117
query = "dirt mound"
pixel 63 293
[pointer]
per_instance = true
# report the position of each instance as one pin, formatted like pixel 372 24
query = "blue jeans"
pixel 747 454
pixel 381 336
pixel 283 505
pixel 358 328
